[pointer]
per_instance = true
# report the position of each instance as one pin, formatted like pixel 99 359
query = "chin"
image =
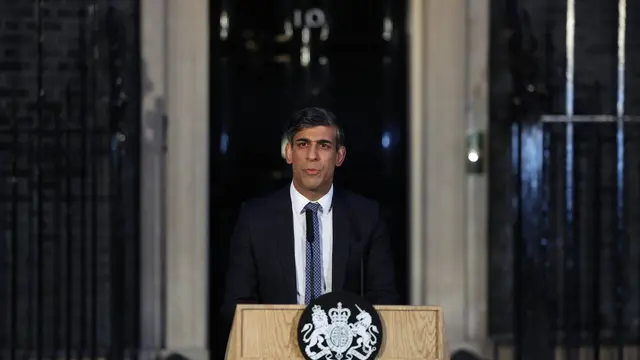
pixel 313 186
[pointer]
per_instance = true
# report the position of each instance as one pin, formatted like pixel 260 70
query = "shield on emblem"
pixel 340 338
pixel 339 326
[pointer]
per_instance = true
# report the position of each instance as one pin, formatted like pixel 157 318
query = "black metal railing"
pixel 564 237
pixel 69 124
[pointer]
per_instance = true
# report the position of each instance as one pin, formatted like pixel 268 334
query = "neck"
pixel 313 195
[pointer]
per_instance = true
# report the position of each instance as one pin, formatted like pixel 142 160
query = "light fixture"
pixel 475 152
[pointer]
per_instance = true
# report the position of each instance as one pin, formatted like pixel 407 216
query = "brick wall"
pixel 61 211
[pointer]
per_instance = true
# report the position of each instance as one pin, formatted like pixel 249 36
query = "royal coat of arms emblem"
pixel 331 335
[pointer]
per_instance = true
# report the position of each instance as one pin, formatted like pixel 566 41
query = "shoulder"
pixel 359 204
pixel 266 203
pixel 355 198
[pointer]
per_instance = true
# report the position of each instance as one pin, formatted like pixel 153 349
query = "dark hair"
pixel 312 117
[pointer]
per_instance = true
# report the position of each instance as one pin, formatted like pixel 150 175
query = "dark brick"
pixel 11 25
pixel 65 66
pixel 13 93
pixel 53 145
pixel 12 39
pixel 27 12
pixel 11 53
pixel 67 13
pixel 13 66
pixel 52 26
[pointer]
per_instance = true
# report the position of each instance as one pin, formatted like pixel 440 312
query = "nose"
pixel 312 154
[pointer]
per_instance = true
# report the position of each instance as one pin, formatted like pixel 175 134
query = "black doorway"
pixel 357 67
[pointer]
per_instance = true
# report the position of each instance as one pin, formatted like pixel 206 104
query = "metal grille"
pixel 577 250
pixel 69 170
pixel 564 233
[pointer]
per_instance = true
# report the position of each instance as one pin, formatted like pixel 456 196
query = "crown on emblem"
pixel 317 314
pixel 339 315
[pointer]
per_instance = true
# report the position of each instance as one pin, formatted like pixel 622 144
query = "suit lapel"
pixel 285 250
pixel 341 240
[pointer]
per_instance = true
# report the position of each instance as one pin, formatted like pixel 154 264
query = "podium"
pixel 269 332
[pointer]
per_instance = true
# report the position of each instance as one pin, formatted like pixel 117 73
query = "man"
pixel 276 259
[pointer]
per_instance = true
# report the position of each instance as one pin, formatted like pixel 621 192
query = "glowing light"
pixel 473 156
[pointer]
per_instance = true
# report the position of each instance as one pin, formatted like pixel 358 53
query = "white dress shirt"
pixel 325 216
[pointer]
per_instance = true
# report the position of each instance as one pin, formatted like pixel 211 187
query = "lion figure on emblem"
pixel 318 336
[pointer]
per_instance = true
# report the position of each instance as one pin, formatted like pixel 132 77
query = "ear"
pixel 341 154
pixel 288 152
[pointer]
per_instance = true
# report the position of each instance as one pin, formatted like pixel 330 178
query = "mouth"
pixel 312 171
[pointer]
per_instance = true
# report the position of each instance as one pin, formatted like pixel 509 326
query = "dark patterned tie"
pixel 313 268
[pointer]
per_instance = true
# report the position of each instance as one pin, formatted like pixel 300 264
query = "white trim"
pixel 477 114
pixel 187 174
pixel 416 131
pixel 175 64
pixel 152 176
pixel 449 97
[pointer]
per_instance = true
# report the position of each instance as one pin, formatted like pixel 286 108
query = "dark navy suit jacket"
pixel 261 259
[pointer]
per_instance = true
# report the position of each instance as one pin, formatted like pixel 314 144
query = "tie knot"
pixel 314 207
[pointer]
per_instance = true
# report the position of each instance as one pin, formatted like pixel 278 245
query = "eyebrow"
pixel 322 141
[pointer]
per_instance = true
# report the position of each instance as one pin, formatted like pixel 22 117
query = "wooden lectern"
pixel 261 332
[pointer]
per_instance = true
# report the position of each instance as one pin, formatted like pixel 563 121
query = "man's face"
pixel 313 157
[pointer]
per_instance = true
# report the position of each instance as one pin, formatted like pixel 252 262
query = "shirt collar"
pixel 299 201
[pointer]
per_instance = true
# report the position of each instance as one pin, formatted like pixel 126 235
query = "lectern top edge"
pixel 301 307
